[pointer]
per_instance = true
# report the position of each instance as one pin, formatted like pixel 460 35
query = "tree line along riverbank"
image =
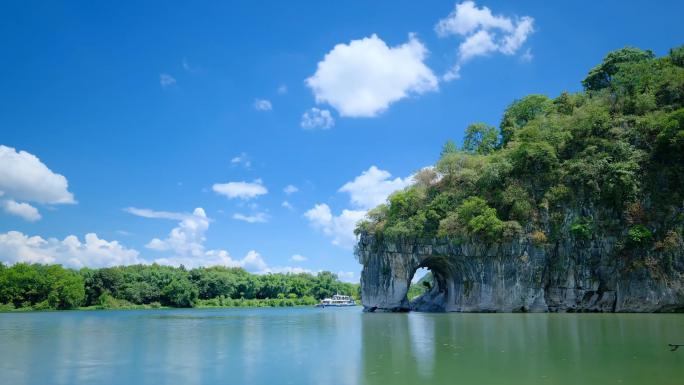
pixel 52 287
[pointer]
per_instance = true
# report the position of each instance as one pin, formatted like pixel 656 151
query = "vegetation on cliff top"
pixel 609 159
pixel 45 287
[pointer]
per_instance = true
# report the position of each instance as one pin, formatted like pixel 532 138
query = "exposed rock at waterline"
pixel 515 276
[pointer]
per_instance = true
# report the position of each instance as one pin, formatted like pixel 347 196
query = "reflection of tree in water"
pixel 519 348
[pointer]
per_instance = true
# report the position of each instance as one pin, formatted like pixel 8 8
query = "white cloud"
pixel 287 205
pixel 362 78
pixel 483 33
pixel 282 89
pixel 241 159
pixel 255 218
pixel 298 258
pixel 320 215
pixel 252 261
pixel 347 276
pixel 340 228
pixel 24 177
pixel 147 213
pixel 315 118
pixel 71 252
pixel 166 80
pixel 187 238
pixel 185 246
pixel 479 44
pixel 242 190
pixel 467 18
pixel 263 105
pixel 527 56
pixel 23 210
pixel 366 191
pixel 290 189
pixel 372 187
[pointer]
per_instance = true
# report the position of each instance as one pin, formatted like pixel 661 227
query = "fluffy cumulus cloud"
pixel 253 218
pixel 24 178
pixel 263 105
pixel 242 190
pixel 187 238
pixel 71 252
pixel 339 227
pixel 316 118
pixel 23 210
pixel 366 191
pixel 483 33
pixel 184 245
pixel 372 187
pixel 362 78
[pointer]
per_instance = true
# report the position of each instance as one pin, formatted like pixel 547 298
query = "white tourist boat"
pixel 337 300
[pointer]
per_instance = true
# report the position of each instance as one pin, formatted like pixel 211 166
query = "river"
pixel 337 346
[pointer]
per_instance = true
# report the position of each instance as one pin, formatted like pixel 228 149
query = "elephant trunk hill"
pixel 573 204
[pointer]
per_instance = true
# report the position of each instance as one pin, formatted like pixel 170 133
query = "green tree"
pixel 180 293
pixel 522 111
pixel 480 138
pixel 600 76
pixel 448 148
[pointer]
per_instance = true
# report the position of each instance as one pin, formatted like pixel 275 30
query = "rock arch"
pixel 510 277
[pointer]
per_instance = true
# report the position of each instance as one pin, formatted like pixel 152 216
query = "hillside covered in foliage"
pixel 608 161
pixel 45 287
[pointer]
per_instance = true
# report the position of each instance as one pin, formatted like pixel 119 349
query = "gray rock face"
pixel 515 276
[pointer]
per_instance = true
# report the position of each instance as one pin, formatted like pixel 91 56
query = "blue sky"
pixel 150 111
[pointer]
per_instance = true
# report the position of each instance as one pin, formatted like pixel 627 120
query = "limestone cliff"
pixel 516 276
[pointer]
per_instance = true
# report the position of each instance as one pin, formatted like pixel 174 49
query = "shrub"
pixel 511 229
pixel 538 237
pixel 478 219
pixel 671 243
pixel 639 234
pixel 582 228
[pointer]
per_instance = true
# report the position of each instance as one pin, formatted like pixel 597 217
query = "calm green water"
pixel 337 346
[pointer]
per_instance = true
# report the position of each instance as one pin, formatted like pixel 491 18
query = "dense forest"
pixel 606 161
pixel 44 287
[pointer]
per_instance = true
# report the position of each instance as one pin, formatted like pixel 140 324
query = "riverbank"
pixel 215 303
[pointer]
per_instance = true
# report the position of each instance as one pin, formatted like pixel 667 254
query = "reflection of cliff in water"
pixel 414 348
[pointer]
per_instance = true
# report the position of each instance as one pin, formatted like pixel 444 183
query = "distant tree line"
pixel 43 287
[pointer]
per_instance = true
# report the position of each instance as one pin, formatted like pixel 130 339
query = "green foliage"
pixel 582 228
pixel 480 138
pixel 180 293
pixel 600 76
pixel 475 218
pixel 677 56
pixel 448 148
pixel 521 112
pixel 592 154
pixel 421 286
pixel 639 234
pixel 42 287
